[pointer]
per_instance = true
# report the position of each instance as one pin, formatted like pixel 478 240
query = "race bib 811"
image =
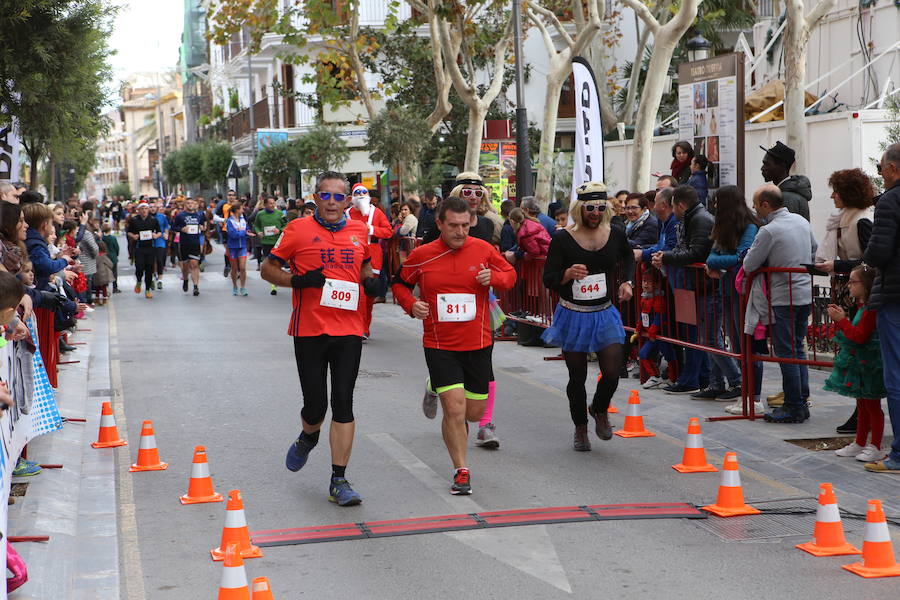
pixel 456 307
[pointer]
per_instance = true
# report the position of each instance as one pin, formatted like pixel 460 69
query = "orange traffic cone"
pixel 877 552
pixel 612 410
pixel 634 422
pixel 730 502
pixel 694 458
pixel 828 535
pixel 200 488
pixel 235 530
pixel 148 454
pixel 234 577
pixel 261 589
pixel 109 434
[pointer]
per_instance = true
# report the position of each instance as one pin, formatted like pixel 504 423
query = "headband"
pixel 592 196
pixel 469 182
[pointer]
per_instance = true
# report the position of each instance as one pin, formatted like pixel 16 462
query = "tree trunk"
pixel 51 171
pixel 796 35
pixel 33 175
pixel 628 116
pixel 477 114
pixel 542 189
pixel 663 47
pixel 597 59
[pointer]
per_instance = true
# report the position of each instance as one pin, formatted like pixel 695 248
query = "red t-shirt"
pixel 459 318
pixel 305 245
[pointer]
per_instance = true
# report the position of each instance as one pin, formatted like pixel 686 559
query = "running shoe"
pixel 159 284
pixel 581 442
pixel 780 415
pixel 429 400
pixel 274 291
pixel 461 485
pixel 851 449
pixel 26 468
pixel 234 291
pixel 486 438
pixel 341 493
pixel 297 454
pixel 184 285
pixel 148 294
pixel 137 288
pixel 731 394
pixel 196 291
pixel 678 388
pixel 652 382
pixel 708 394
pixel 871 454
pixel 243 291
pixel 737 408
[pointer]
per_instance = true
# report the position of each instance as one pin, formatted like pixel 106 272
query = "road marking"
pixel 528 549
pixel 132 570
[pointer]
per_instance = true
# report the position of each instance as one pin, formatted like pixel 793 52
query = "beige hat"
pixel 470 178
pixel 591 190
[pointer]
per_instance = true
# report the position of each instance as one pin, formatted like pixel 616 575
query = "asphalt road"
pixel 219 371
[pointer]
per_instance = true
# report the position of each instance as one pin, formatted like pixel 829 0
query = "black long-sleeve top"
pixel 615 259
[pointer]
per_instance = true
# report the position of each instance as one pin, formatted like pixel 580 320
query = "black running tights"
pixel 610 359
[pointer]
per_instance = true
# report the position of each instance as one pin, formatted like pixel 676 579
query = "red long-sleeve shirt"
pixel 446 280
pixel 862 331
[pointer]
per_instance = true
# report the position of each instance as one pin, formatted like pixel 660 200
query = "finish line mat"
pixel 483 520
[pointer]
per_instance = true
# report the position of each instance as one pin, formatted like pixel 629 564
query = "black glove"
pixel 49 301
pixel 372 286
pixel 310 279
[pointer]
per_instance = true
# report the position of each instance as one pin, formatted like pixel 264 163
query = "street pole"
pixel 252 121
pixel 523 152
pixel 161 132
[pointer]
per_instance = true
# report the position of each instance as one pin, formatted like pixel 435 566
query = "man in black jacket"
pixel 695 224
pixel 883 252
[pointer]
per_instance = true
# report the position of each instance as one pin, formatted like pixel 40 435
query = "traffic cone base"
pixel 253 552
pixel 108 436
pixel 261 590
pixel 828 535
pixel 693 459
pixel 722 511
pixel 148 454
pixel 631 434
pixel 201 499
pixel 730 501
pixel 634 422
pixel 612 410
pixel 870 573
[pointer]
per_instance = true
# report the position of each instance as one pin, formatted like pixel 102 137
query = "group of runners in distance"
pixel 327 260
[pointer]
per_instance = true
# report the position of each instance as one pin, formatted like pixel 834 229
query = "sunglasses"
pixel 593 207
pixel 360 192
pixel 470 193
pixel 326 196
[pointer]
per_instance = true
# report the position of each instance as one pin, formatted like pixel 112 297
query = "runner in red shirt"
pixel 454 274
pixel 328 257
pixel 379 229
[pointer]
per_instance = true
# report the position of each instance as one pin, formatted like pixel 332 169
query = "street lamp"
pixel 698 48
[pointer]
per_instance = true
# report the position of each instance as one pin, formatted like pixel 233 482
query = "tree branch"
pixel 545 34
pixel 499 60
pixel 554 20
pixel 819 10
pixel 466 92
pixel 641 10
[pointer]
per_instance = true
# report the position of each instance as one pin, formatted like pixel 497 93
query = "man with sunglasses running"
pixel 379 228
pixel 328 257
pixel 454 275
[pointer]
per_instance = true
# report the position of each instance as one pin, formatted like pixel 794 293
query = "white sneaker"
pixel 871 454
pixel 737 408
pixel 652 382
pixel 849 450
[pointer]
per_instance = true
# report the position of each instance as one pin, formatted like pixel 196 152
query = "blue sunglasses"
pixel 326 196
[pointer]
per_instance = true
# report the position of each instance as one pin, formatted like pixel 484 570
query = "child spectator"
pixel 653 311
pixel 562 218
pixel 26 274
pixel 112 252
pixel 104 275
pixel 858 371
pixel 698 179
pixel 532 238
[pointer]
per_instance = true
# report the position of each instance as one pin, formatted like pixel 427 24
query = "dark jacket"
pixel 797 193
pixel 508 239
pixel 39 255
pixel 426 221
pixel 693 243
pixel 883 251
pixel 699 182
pixel 644 235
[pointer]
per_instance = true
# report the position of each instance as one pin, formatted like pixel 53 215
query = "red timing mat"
pixel 484 520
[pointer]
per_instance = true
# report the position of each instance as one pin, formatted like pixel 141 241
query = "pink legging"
pixel 488 416
pixel 869 420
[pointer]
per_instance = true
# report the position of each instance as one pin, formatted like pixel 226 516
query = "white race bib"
pixel 193 229
pixel 645 319
pixel 270 230
pixel 340 294
pixel 456 307
pixel 592 287
pixel 145 235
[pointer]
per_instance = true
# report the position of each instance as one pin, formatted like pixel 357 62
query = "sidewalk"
pixel 75 505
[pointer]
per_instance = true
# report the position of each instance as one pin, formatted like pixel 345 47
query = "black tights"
pixel 610 359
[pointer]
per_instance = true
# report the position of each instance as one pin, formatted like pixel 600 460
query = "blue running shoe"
pixel 26 468
pixel 297 454
pixel 342 494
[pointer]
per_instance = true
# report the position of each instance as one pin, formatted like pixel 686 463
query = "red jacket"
pixel 533 239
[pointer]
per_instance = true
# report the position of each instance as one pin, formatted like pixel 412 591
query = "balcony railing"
pixel 239 123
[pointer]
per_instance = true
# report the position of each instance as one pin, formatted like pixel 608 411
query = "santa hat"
pixel 357 186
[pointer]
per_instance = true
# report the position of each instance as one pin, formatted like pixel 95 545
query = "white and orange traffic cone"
pixel 828 535
pixel 236 530
pixel 877 552
pixel 730 501
pixel 234 577
pixel 693 460
pixel 108 437
pixel 200 487
pixel 634 422
pixel 148 454
pixel 261 590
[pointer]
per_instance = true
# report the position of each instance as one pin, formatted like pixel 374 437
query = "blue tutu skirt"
pixel 575 331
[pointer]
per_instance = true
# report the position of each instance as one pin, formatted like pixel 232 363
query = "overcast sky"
pixel 146 37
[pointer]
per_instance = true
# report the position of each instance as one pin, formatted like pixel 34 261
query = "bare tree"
pixel 442 79
pixel 665 38
pixel 796 37
pixel 586 28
